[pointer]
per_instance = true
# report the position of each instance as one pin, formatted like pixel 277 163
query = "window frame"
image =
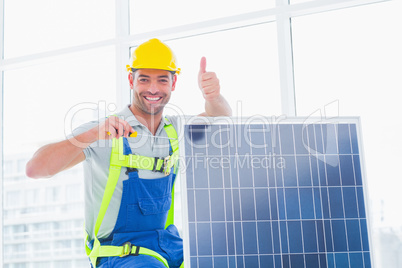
pixel 1 123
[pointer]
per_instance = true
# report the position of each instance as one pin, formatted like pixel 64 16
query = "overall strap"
pixel 114 173
pixel 156 164
pixel 117 160
pixel 110 251
pixel 173 163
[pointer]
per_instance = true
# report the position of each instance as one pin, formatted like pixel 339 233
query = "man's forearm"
pixel 53 158
pixel 217 107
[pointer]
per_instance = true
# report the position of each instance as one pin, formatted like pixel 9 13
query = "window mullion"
pixel 1 126
pixel 122 52
pixel 285 56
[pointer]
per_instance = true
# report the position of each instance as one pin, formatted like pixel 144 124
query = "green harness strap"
pixel 173 161
pixel 117 160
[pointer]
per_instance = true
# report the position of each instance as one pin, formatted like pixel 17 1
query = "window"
pixel 162 14
pixel 53 194
pixel 34 197
pixel 59 96
pixel 49 98
pixel 351 67
pixel 74 192
pixel 233 60
pixel 43 25
pixel 14 199
pixel 21 165
pixel 8 167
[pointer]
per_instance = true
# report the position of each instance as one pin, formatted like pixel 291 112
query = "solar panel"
pixel 284 194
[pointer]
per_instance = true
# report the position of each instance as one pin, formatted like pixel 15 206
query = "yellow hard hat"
pixel 153 54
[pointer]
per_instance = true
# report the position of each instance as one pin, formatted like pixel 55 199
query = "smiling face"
pixel 152 89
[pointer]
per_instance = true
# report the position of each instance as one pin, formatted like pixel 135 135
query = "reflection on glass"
pixel 159 14
pixel 347 63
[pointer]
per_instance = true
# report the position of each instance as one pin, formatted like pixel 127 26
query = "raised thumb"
pixel 203 65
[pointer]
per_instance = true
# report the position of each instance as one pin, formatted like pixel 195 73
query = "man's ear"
pixel 131 80
pixel 174 82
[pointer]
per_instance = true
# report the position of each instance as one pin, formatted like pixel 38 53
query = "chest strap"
pixel 117 161
pixel 156 164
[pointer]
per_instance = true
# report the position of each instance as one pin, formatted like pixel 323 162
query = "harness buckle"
pixel 131 170
pixel 137 251
pixel 126 250
pixel 156 163
pixel 166 165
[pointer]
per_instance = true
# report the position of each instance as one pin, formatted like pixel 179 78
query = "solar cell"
pixel 285 194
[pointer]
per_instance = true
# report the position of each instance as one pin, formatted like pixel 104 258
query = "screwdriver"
pixel 131 134
pixel 135 134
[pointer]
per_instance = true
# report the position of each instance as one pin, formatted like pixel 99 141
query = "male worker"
pixel 130 165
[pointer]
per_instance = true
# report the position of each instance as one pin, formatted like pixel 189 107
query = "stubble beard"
pixel 141 105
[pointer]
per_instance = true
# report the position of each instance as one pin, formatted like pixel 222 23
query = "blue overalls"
pixel 141 221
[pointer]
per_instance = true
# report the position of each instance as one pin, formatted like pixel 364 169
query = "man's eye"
pixel 143 80
pixel 163 80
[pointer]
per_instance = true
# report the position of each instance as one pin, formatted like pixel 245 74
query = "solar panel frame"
pixel 280 124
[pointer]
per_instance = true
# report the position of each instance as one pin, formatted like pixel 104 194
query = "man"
pixel 129 178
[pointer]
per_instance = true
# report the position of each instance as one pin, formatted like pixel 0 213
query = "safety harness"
pixel 117 161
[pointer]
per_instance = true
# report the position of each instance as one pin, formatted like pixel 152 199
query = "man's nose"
pixel 153 88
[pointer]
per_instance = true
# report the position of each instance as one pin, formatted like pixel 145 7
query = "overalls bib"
pixel 139 238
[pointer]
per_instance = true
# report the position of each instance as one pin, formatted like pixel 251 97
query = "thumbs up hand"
pixel 208 82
